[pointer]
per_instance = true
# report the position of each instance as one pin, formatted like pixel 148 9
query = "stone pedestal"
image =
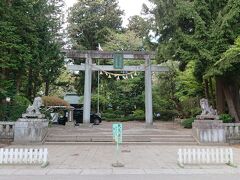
pixel 30 130
pixel 209 131
pixel 207 117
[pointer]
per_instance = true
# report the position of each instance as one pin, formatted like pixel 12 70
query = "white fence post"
pixel 205 156
pixel 45 156
pixel 24 156
pixel 1 156
pixel 230 156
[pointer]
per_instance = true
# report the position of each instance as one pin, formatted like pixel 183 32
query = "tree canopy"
pixel 90 22
pixel 30 42
pixel 198 39
pixel 198 30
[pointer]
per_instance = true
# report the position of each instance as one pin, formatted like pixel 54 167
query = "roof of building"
pixel 73 98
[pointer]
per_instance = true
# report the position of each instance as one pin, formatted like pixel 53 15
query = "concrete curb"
pixel 112 171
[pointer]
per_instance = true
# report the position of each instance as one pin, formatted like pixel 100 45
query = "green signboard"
pixel 118 61
pixel 117 133
pixel 117 137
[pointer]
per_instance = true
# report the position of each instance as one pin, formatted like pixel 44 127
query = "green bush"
pixel 118 115
pixel 110 116
pixel 187 123
pixel 226 118
pixel 138 114
pixel 116 112
pixel 168 115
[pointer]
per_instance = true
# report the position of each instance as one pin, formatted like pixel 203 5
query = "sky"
pixel 130 7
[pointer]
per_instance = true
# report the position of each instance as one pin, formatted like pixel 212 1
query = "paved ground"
pixel 142 161
pixel 124 177
pixel 92 159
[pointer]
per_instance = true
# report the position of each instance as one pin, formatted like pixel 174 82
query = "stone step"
pixel 173 140
pixel 97 139
pixel 72 132
pixel 124 143
pixel 125 135
pixel 131 138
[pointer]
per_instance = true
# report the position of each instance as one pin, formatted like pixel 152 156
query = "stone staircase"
pixel 131 136
pixel 158 140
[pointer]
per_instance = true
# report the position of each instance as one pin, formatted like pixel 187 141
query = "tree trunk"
pixel 30 83
pixel 18 83
pixel 230 101
pixel 34 90
pixel 220 99
pixel 236 99
pixel 46 88
pixel 206 89
pixel 212 93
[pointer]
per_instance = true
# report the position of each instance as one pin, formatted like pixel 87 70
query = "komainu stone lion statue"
pixel 206 109
pixel 34 109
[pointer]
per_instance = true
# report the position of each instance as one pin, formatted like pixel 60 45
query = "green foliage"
pixel 103 101
pixel 200 31
pixel 190 107
pixel 126 41
pixel 91 22
pixel 143 27
pixel 111 114
pixel 124 95
pixel 139 114
pixel 196 30
pixel 168 115
pixel 226 118
pixel 139 25
pixel 229 64
pixel 18 106
pixel 187 85
pixel 64 83
pixel 177 93
pixel 187 123
pixel 29 46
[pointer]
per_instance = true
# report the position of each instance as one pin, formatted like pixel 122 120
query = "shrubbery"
pixel 226 118
pixel 187 123
pixel 138 114
pixel 117 115
pixel 168 115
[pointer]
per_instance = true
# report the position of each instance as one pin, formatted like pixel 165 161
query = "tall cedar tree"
pixel 90 20
pixel 200 30
pixel 29 45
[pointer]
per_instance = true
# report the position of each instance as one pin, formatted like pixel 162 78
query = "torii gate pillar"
pixel 148 92
pixel 87 90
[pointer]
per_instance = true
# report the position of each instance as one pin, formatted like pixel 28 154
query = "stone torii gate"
pixel 88 67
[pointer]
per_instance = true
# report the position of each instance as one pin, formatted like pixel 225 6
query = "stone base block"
pixel 207 117
pixel 33 116
pixel 29 131
pixel 209 131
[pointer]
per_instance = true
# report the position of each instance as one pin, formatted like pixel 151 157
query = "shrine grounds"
pixel 96 159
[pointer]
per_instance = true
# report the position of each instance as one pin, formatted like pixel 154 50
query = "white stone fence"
pixel 205 156
pixel 232 130
pixel 7 130
pixel 24 156
pixel 215 131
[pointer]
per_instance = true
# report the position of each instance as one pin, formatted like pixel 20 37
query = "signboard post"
pixel 117 137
